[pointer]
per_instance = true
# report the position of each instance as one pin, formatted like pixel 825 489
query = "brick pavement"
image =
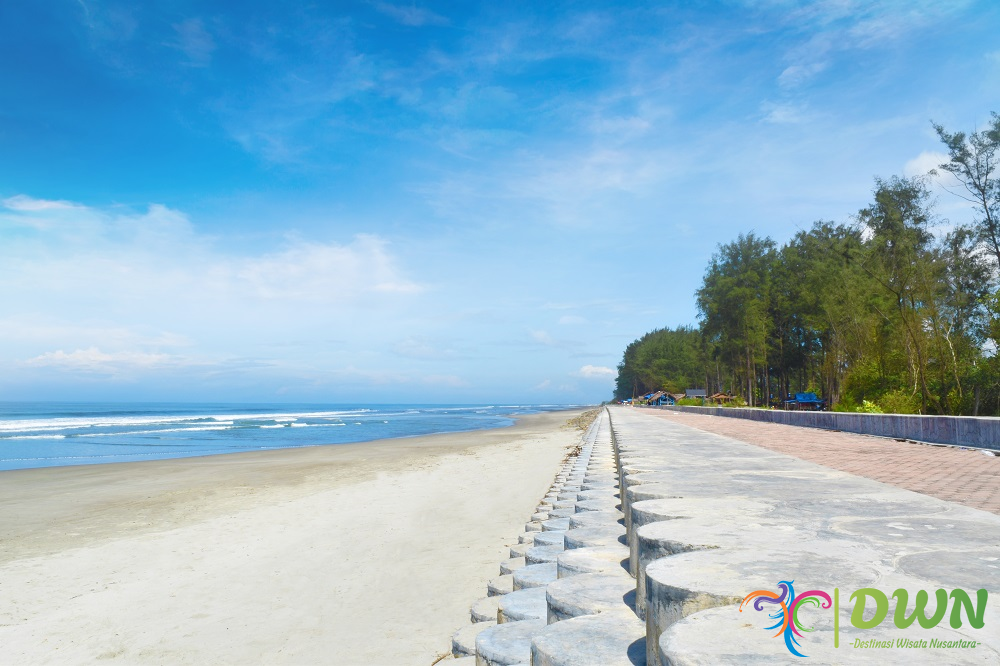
pixel 966 477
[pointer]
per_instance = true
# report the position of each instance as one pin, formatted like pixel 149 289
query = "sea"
pixel 49 434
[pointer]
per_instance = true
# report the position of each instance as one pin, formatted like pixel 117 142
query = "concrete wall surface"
pixel 979 431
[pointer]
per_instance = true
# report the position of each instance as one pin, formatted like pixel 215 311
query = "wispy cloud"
pixel 424 349
pixel 194 41
pixel 450 381
pixel 784 114
pixel 410 15
pixel 50 330
pixel 545 339
pixel 322 271
pixel 294 108
pixel 94 360
pixel 22 202
pixel 819 32
pixel 795 75
pixel 575 190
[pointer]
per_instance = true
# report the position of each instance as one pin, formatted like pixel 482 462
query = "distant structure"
pixel 804 401
pixel 659 398
pixel 721 398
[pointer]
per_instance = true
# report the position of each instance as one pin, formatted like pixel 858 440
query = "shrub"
pixel 846 404
pixel 899 402
pixel 869 407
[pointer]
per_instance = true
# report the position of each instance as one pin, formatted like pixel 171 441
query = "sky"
pixel 430 202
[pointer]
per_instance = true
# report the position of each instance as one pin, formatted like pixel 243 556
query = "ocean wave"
pixel 63 423
pixel 125 433
pixel 146 432
pixel 319 425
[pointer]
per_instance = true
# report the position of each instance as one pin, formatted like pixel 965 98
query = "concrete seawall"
pixel 979 431
pixel 653 535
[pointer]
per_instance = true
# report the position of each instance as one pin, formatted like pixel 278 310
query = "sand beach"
pixel 350 554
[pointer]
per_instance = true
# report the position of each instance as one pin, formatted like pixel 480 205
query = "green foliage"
pixel 973 160
pixel 691 402
pixel 669 360
pixel 846 405
pixel 899 401
pixel 896 313
pixel 734 303
pixel 866 407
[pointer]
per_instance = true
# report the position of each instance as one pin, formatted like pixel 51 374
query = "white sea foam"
pixel 147 432
pixel 79 423
pixel 317 425
pixel 210 428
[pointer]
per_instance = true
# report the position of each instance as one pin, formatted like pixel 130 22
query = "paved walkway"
pixel 966 477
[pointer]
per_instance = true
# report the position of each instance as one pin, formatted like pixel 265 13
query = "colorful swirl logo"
pixel 786 614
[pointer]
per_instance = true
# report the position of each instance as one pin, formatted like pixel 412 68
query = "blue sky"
pixel 440 202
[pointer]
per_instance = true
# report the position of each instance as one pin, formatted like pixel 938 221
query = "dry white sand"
pixel 351 554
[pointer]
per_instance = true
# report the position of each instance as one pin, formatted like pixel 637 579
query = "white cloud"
pixel 796 75
pixel 51 330
pixel 97 361
pixel 119 293
pixel 22 202
pixel 423 348
pixel 595 372
pixel 355 376
pixel 324 272
pixel 632 126
pixel 410 15
pixel 543 338
pixel 954 208
pixel 923 163
pixel 159 254
pixel 572 187
pixel 451 381
pixel 194 41
pixel 783 114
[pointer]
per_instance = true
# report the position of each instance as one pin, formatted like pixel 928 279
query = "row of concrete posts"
pixel 652 534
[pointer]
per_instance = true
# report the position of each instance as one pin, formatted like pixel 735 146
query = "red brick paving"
pixel 966 477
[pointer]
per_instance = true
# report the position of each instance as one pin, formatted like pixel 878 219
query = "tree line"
pixel 897 311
